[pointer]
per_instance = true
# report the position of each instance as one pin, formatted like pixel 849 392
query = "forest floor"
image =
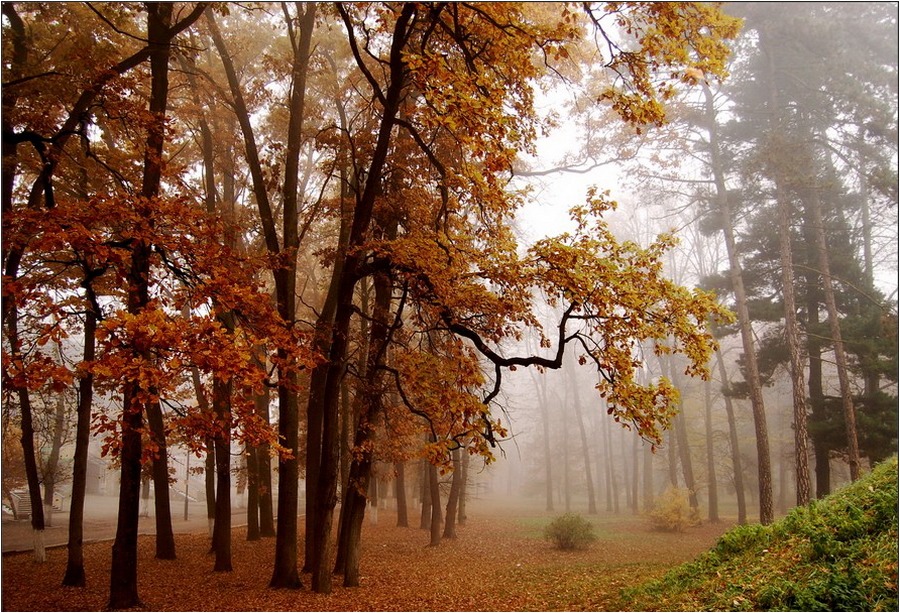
pixel 498 562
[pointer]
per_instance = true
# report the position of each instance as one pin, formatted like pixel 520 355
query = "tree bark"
pixel 222 531
pixel 425 497
pixel 792 329
pixel 264 472
pixel 27 442
pixel 453 497
pixel 165 537
pixel 713 489
pixel 51 465
pixel 328 468
pixel 754 383
pixel 736 463
pixel 434 491
pixel 576 402
pixel 123 592
pixel 834 324
pixel 253 533
pixel 75 575
pixel 400 493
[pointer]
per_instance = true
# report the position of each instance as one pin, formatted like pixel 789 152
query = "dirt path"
pixel 495 564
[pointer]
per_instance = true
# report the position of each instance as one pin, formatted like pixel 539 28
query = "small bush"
pixel 570 531
pixel 672 512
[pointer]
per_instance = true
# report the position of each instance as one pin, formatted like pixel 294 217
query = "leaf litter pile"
pixel 494 564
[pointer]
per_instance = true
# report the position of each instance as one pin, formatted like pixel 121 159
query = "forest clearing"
pixel 837 554
pixel 500 561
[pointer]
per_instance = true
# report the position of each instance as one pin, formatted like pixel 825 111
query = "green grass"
pixel 836 554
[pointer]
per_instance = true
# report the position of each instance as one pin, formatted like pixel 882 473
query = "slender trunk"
pixel 684 453
pixel 740 295
pixel 123 592
pixel 777 159
pixel 353 512
pixel 713 489
pixel 648 478
pixel 51 465
pixel 328 467
pixel 434 490
pixel 264 471
pixel 253 533
pixel 209 464
pixel 548 458
pixel 370 401
pixel 612 490
pixel 222 530
pixel 635 507
pixel 736 463
pixel 567 472
pixel 28 448
pixel 586 452
pixel 425 497
pixel 834 323
pixel 673 458
pixel 165 538
pixel 400 492
pixel 464 492
pixel 453 498
pixel 75 575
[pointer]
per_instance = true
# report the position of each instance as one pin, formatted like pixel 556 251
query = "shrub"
pixel 570 531
pixel 672 512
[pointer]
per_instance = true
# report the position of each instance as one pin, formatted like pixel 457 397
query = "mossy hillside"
pixel 839 553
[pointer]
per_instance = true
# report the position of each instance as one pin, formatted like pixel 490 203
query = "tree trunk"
pixel 567 472
pixel 635 463
pixel 75 575
pixel 51 465
pixel 548 458
pixel 425 497
pixel 28 449
pixel 684 453
pixel 264 472
pixel 123 592
pixel 713 489
pixel 434 490
pixel 352 514
pixel 370 401
pixel 736 462
pixel 209 464
pixel 400 493
pixel 740 296
pixel 328 467
pixel 777 158
pixel 453 498
pixel 648 478
pixel 222 530
pixel 612 490
pixel 834 323
pixel 576 402
pixel 165 538
pixel 464 492
pixel 123 589
pixel 252 494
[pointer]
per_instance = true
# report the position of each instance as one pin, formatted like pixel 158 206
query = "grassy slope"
pixel 839 553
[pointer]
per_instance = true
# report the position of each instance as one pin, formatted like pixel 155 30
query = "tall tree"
pixel 123 586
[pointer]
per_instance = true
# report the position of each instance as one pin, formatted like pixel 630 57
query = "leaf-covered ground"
pixel 495 564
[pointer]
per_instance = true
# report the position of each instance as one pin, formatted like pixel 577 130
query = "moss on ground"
pixel 835 554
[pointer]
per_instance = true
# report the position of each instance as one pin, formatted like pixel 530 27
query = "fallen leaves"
pixel 495 564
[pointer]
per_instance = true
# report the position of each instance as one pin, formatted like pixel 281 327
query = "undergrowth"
pixel 570 531
pixel 836 554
